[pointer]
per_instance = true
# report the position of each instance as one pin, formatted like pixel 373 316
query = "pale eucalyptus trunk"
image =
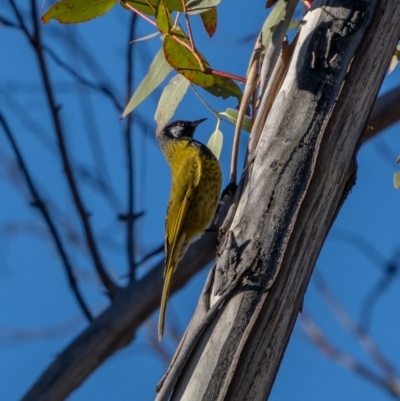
pixel 303 169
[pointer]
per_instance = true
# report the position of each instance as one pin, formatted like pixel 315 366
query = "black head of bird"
pixel 181 128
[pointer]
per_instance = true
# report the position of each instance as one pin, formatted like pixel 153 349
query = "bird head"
pixel 181 128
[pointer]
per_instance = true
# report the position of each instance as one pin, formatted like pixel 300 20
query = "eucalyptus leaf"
pixel 200 6
pixel 274 17
pixel 395 59
pixel 215 142
pixel 76 11
pixel 232 115
pixel 397 180
pixel 158 71
pixel 170 99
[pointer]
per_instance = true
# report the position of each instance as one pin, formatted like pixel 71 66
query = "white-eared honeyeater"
pixel 196 185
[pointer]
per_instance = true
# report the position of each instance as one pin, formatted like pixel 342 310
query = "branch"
pixel 270 60
pixel 115 327
pixel 390 384
pixel 35 41
pixel 361 335
pixel 38 203
pixel 101 87
pixel 384 114
pixel 130 218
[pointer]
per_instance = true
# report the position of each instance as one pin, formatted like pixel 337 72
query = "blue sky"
pixel 39 315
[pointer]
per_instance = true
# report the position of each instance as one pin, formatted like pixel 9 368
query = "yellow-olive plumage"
pixel 195 189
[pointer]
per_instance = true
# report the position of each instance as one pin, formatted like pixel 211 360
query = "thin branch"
pixel 316 336
pixel 150 254
pixel 270 60
pixel 130 218
pixel 101 88
pixel 385 113
pixel 249 91
pixel 224 74
pixel 189 28
pixel 115 327
pixel 364 246
pixel 35 41
pixel 192 50
pixel 6 22
pixel 40 205
pixel 144 16
pixel 352 327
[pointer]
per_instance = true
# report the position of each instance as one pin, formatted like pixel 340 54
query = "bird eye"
pixel 180 124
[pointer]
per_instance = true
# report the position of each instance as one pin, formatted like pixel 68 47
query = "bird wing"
pixel 184 185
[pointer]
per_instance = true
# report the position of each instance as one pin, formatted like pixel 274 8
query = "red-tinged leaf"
pixel 224 87
pixel 146 7
pixel 163 18
pixel 149 6
pixel 76 11
pixel 209 19
pixel 183 60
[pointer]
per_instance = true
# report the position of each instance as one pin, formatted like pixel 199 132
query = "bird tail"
pixel 169 271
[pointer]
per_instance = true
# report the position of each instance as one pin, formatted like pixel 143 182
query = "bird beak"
pixel 197 122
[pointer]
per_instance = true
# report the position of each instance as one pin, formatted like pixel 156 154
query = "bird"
pixel 195 188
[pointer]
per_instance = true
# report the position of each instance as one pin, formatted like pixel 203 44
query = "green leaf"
pixel 158 71
pixel 147 37
pixel 142 5
pixel 397 180
pixel 395 59
pixel 183 60
pixel 150 9
pixel 294 24
pixel 75 11
pixel 170 99
pixel 272 20
pixel 209 20
pixel 174 5
pixel 163 17
pixel 200 6
pixel 232 115
pixel 215 142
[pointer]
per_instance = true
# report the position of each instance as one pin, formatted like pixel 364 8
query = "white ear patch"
pixel 176 131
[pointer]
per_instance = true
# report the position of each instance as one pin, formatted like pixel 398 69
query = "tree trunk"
pixel 303 169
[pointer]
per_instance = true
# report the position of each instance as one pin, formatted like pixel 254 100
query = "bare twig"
pixel 270 59
pixel 136 11
pixel 150 254
pixel 248 92
pixel 385 113
pixel 115 327
pixel 40 205
pixel 130 218
pixel 225 74
pixel 316 336
pixel 189 28
pixel 35 41
pixel 352 327
pixel 98 87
